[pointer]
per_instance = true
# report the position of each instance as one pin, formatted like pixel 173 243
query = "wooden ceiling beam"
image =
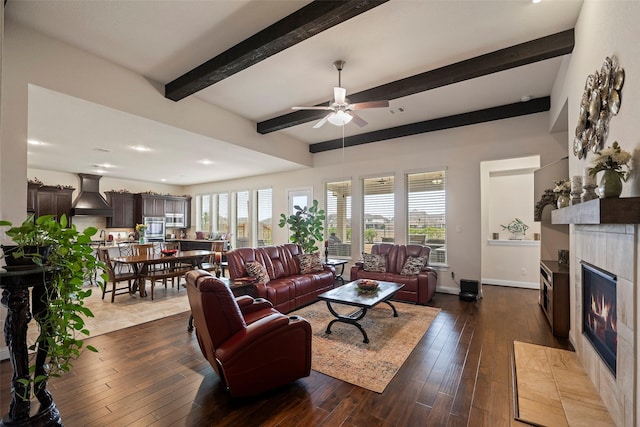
pixel 302 24
pixel 533 106
pixel 525 53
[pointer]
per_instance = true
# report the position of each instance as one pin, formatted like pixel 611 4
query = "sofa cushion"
pixel 376 263
pixel 310 263
pixel 257 270
pixel 413 265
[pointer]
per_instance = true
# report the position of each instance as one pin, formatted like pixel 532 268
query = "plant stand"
pixel 15 297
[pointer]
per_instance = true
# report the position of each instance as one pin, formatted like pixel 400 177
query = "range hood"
pixel 90 201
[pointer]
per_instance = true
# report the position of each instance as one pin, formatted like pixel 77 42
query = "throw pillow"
pixel 257 270
pixel 377 263
pixel 310 263
pixel 413 265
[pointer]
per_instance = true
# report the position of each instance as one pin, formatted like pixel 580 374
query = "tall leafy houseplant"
pixel 305 226
pixel 73 264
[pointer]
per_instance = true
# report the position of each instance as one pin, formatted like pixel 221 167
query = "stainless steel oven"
pixel 174 220
pixel 155 229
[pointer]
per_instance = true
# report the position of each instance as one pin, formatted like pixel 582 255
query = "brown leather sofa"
pixel 287 289
pixel 252 347
pixel 418 288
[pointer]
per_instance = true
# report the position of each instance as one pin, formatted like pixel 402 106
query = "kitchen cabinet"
pixel 32 197
pixel 124 210
pixel 179 205
pixel 55 201
pixel 149 205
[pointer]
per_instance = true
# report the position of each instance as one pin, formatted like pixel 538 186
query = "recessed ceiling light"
pixel 525 98
pixel 34 142
pixel 206 162
pixel 140 148
pixel 163 179
pixel 100 171
pixel 536 1
pixel 104 165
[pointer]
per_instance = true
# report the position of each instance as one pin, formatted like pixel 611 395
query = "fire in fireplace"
pixel 599 312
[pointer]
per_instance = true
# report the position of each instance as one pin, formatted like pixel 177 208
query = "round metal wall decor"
pixel 601 100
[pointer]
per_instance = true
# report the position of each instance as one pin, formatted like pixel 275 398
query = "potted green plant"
pixel 70 264
pixel 306 226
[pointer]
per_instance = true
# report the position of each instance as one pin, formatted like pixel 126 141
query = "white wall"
pixel 605 28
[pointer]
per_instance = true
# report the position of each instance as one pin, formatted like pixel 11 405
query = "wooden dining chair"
pixel 114 277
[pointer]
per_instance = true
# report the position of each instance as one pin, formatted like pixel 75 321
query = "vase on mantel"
pixel 563 201
pixel 610 184
pixel 142 241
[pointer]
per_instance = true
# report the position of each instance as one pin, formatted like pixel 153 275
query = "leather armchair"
pixel 252 347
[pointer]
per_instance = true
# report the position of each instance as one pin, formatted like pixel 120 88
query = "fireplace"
pixel 599 315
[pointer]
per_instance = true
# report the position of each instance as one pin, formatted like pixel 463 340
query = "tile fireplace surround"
pixel 614 248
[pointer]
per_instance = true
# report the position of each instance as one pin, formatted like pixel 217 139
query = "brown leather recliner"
pixel 252 346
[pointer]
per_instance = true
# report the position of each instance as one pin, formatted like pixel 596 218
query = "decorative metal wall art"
pixel 601 100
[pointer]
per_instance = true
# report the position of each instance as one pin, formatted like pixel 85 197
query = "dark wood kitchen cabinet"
pixel 179 205
pixel 150 205
pixel 53 201
pixel 32 197
pixel 124 210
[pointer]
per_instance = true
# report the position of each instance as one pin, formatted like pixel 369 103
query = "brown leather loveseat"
pixel 285 288
pixel 252 347
pixel 418 288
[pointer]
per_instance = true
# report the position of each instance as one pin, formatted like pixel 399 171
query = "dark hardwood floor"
pixel 459 374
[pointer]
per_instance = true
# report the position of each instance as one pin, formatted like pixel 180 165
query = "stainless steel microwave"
pixel 174 220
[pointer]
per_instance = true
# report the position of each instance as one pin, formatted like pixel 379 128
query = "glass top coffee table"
pixel 350 294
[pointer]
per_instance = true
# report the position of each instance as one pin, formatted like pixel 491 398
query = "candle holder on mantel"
pixel 589 193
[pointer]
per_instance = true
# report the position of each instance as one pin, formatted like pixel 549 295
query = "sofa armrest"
pixel 355 268
pixel 427 281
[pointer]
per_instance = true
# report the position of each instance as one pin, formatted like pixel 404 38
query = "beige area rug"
pixel 552 389
pixel 127 310
pixel 344 356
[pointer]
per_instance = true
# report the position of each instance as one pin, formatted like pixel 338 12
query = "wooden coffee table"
pixel 349 294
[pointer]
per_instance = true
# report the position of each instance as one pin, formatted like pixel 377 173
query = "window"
pixel 338 219
pixel 242 219
pixel 221 219
pixel 426 213
pixel 378 209
pixel 203 207
pixel 264 213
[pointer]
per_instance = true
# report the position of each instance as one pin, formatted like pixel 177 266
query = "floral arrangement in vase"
pixel 562 191
pixel 611 160
pixel 140 229
pixel 517 228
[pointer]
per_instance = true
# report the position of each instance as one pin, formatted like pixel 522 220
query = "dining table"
pixel 146 265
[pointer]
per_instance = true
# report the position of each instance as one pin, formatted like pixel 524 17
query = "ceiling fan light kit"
pixel 341 110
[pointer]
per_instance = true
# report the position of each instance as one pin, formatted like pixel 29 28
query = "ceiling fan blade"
pixel 311 108
pixel 369 104
pixel 357 119
pixel 323 121
pixel 339 94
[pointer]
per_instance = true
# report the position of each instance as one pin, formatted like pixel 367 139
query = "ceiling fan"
pixel 341 111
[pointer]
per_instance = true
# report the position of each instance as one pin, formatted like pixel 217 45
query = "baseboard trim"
pixel 511 283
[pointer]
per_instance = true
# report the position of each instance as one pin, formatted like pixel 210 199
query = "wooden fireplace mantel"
pixel 625 210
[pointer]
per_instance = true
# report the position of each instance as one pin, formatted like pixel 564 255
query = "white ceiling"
pixel 162 40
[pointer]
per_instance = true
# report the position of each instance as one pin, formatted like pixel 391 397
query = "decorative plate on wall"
pixel 601 100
